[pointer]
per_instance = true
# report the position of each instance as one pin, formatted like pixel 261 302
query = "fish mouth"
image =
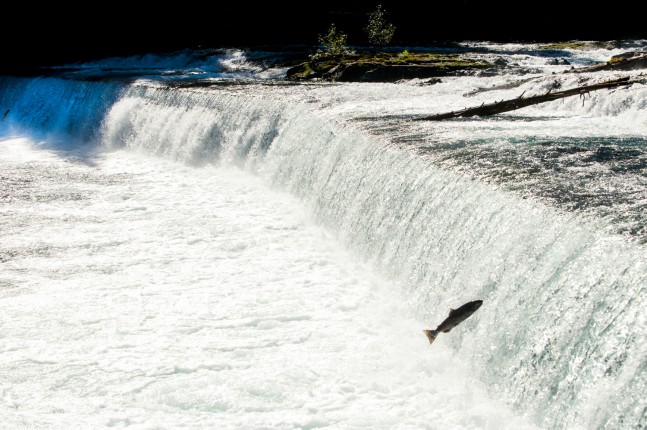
pixel 477 304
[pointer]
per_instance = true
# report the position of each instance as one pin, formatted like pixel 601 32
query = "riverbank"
pixel 365 65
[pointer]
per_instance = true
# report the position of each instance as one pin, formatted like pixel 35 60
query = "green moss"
pixel 579 45
pixel 305 72
pixel 402 58
pixel 326 65
pixel 329 66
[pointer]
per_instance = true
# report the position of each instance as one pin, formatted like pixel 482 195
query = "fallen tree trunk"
pixel 520 102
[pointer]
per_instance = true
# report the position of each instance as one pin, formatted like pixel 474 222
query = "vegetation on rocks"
pixel 382 66
pixel 577 44
pixel 333 43
pixel 334 60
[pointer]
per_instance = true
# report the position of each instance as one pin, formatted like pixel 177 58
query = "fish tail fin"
pixel 431 335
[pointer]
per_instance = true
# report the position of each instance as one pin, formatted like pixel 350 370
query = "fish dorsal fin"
pixel 451 311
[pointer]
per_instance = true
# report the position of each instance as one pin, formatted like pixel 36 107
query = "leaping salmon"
pixel 456 316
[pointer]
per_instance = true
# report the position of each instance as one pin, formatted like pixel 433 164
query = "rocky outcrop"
pixel 383 67
pixel 392 67
pixel 625 61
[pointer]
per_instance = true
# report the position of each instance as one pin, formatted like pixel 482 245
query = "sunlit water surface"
pixel 190 241
pixel 143 293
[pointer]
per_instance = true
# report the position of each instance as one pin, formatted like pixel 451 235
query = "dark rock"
pixel 627 55
pixel 376 72
pixel 432 81
pixel 558 62
pixel 626 61
pixel 387 73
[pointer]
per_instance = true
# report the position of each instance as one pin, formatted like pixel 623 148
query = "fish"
pixel 456 316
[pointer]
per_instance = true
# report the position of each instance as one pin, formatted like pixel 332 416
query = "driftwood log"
pixel 520 102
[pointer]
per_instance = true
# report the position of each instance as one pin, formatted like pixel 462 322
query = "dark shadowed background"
pixel 57 33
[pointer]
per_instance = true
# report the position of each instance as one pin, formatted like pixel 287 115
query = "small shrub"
pixel 379 31
pixel 333 42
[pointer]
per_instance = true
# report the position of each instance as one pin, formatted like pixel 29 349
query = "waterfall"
pixel 55 109
pixel 561 333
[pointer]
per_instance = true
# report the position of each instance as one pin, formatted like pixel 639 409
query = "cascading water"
pixel 558 324
pixel 55 109
pixel 561 334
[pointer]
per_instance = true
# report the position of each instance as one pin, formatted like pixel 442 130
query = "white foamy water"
pixel 146 281
pixel 137 292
